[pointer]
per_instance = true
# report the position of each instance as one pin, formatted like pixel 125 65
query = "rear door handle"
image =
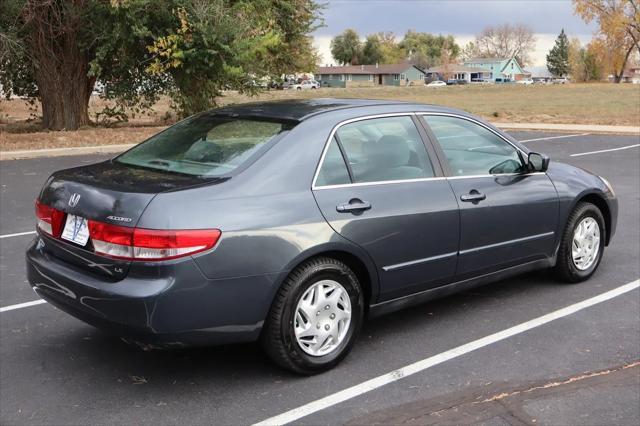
pixel 473 196
pixel 354 205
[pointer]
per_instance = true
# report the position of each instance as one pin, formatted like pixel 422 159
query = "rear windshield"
pixel 206 145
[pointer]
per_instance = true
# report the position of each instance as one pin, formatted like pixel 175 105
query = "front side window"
pixel 379 149
pixel 471 149
pixel 205 145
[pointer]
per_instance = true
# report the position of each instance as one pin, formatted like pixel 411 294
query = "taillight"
pixel 50 220
pixel 149 244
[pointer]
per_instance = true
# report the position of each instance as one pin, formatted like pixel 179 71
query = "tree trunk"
pixel 618 75
pixel 60 66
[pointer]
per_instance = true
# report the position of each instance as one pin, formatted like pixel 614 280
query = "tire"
pixel 566 268
pixel 279 334
pixel 299 88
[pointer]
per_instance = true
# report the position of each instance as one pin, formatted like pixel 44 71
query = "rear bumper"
pixel 168 304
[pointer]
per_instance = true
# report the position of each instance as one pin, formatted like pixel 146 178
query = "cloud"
pixel 462 18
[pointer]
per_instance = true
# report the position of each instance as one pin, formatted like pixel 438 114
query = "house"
pixel 370 75
pixel 457 72
pixel 497 68
pixel 631 75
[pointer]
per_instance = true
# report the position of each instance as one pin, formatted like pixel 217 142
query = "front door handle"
pixel 352 206
pixel 473 196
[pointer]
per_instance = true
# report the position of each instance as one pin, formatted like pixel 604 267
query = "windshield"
pixel 205 145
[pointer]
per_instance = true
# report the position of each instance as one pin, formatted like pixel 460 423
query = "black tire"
pixel 278 336
pixel 565 268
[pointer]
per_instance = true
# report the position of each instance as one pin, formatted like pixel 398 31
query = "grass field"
pixel 599 103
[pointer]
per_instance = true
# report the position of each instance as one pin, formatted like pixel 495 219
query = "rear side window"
pixel 471 149
pixel 334 170
pixel 384 149
pixel 206 145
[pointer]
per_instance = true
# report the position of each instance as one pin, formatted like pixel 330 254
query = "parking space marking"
pixel 605 150
pixel 22 305
pixel 419 366
pixel 17 234
pixel 554 137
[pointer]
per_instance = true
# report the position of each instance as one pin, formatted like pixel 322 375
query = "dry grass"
pixel 600 103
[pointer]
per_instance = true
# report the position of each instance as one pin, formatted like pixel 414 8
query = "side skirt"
pixel 448 289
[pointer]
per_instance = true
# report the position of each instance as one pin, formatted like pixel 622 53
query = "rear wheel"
pixel 315 317
pixel 582 244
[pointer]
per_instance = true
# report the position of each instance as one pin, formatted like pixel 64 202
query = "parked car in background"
pixel 560 80
pixel 501 80
pixel 288 222
pixel 525 81
pixel 437 83
pixel 305 84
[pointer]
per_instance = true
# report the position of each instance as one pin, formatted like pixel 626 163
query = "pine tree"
pixel 558 57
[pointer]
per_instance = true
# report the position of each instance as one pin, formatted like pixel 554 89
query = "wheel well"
pixel 601 204
pixel 356 265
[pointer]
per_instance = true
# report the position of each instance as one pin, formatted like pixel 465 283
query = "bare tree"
pixel 506 41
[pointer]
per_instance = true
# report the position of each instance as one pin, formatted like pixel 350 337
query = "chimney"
pixel 376 65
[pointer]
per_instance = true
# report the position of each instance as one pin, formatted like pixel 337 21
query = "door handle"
pixel 354 205
pixel 473 196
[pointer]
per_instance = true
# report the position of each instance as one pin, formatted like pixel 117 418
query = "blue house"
pixel 491 68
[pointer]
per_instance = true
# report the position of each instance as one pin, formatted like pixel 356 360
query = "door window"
pixel 471 149
pixel 380 149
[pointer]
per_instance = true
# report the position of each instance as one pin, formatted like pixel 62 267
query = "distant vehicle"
pixel 526 81
pixel 437 83
pixel 500 80
pixel 541 80
pixel 561 80
pixel 305 84
pixel 452 82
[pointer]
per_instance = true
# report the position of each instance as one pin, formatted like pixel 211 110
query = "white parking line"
pixel 16 234
pixel 605 150
pixel 554 137
pixel 393 376
pixel 22 305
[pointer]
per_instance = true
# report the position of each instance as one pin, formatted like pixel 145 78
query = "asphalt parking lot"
pixel 580 368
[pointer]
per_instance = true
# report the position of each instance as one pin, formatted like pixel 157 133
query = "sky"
pixel 461 18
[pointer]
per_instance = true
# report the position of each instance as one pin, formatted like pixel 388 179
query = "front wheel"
pixel 315 317
pixel 582 244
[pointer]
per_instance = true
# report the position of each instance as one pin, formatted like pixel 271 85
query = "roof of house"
pixel 486 60
pixel 453 68
pixel 367 69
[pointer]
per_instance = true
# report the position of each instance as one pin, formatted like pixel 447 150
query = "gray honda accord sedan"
pixel 289 222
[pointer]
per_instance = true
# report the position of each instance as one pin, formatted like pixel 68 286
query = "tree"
pixel 619 29
pixel 585 63
pixel 469 51
pixel 391 52
pixel 346 48
pixel 506 41
pixel 558 57
pixel 191 49
pixel 425 50
pixel 372 50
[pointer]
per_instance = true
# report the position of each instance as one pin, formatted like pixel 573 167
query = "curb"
pixel 587 128
pixel 112 149
pixel 57 152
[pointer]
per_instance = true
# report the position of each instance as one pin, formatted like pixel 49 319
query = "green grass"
pixel 595 103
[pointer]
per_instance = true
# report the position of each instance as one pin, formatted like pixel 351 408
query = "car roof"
pixel 302 109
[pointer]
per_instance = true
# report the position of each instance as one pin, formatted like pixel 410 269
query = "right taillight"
pixel 50 220
pixel 149 244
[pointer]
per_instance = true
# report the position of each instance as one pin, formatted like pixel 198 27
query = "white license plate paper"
pixel 76 229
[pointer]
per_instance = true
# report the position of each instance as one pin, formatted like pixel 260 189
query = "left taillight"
pixel 50 220
pixel 149 244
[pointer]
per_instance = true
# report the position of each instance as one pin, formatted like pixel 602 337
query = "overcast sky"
pixel 462 18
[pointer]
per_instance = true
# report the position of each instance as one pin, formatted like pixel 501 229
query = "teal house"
pixel 491 68
pixel 370 75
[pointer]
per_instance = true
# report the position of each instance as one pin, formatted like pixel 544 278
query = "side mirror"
pixel 538 162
